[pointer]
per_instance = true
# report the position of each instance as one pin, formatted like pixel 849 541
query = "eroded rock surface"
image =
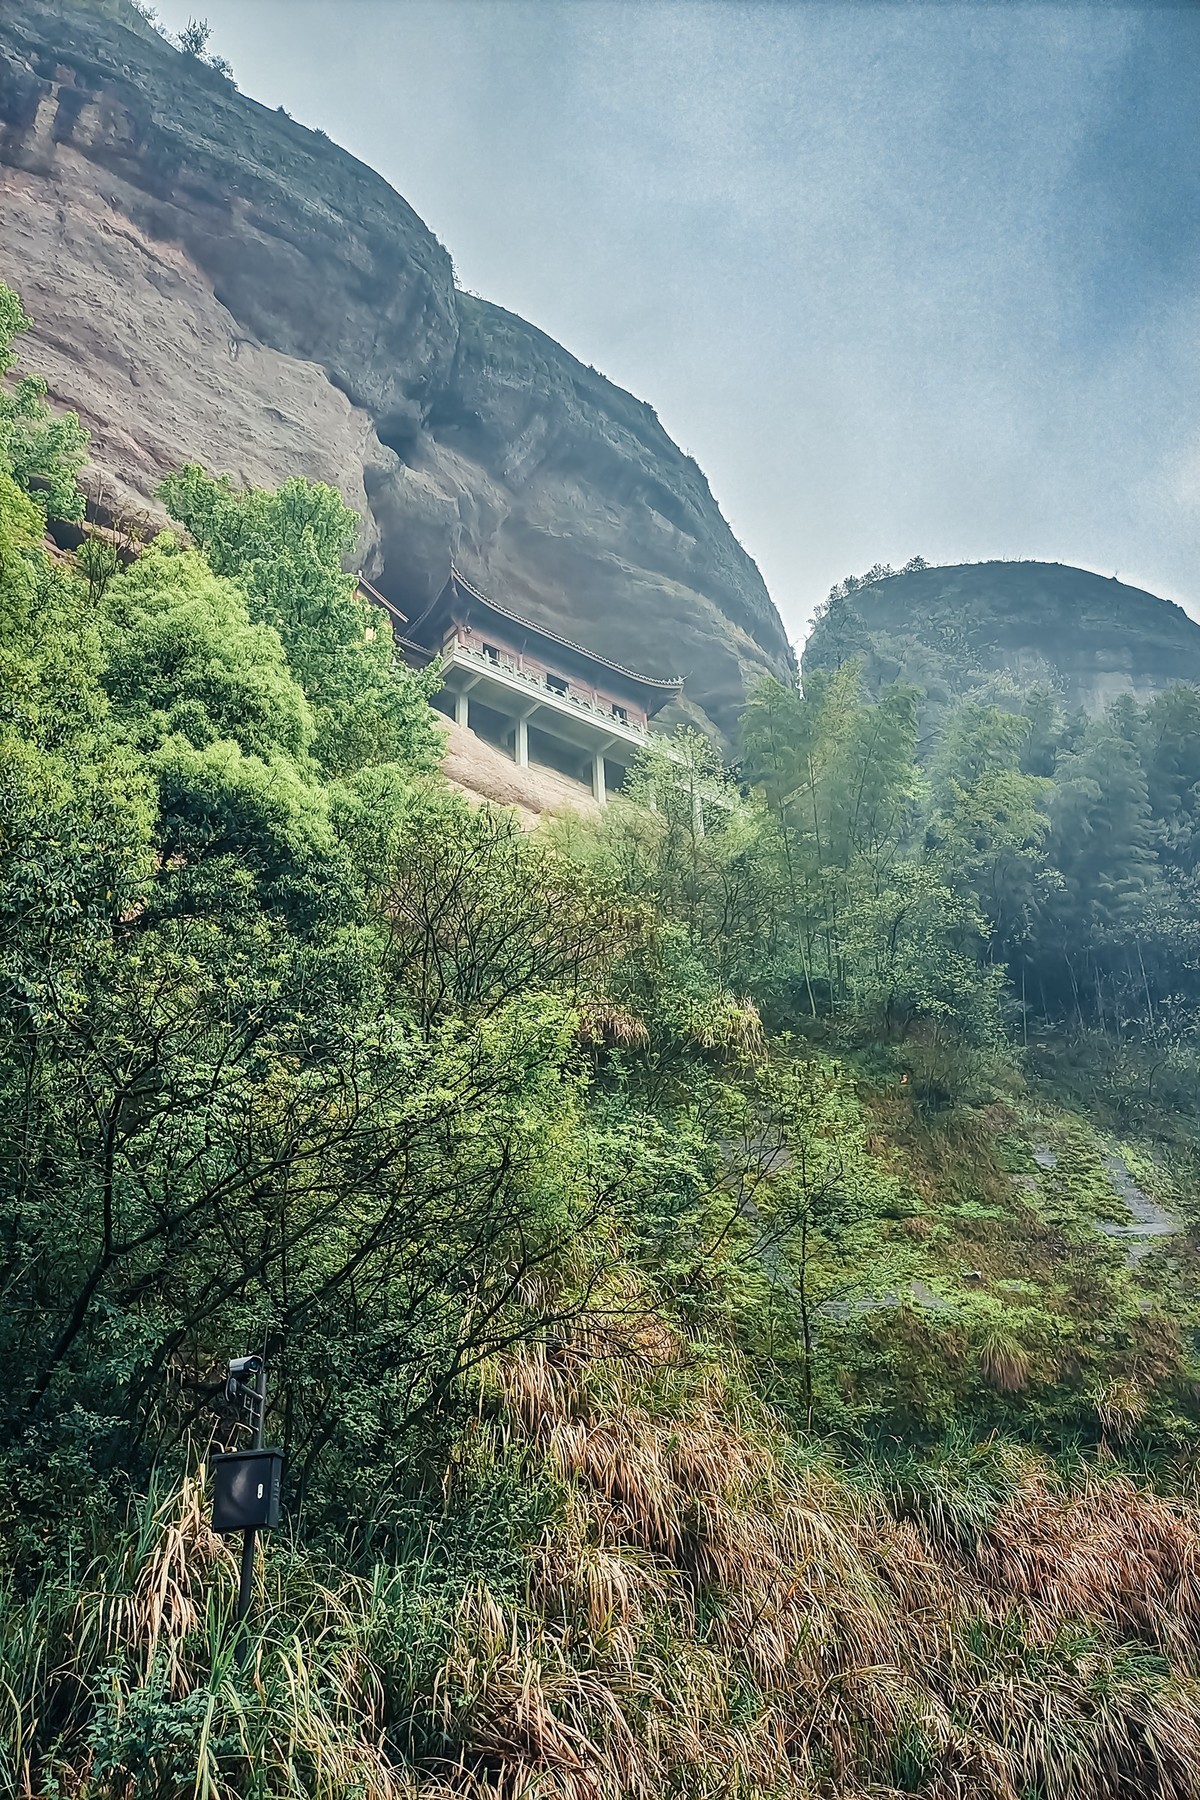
pixel 211 280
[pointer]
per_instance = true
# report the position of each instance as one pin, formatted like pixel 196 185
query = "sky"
pixel 903 278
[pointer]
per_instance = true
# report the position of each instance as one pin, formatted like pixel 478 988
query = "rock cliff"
pixel 1019 624
pixel 211 280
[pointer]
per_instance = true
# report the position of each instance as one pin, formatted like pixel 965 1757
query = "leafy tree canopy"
pixel 285 549
pixel 42 450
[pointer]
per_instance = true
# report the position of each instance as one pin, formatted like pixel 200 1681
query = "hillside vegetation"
pixel 998 629
pixel 725 1266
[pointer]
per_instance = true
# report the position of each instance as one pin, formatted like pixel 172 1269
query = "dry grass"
pixel 1121 1405
pixel 760 1627
pixel 732 1024
pixel 603 1025
pixel 710 1614
pixel 1005 1363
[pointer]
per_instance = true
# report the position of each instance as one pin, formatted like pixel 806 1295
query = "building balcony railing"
pixel 505 664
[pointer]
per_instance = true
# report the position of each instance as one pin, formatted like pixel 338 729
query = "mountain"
pixel 210 278
pixel 1012 624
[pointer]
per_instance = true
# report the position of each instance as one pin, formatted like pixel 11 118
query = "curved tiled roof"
pixel 457 579
pixel 372 593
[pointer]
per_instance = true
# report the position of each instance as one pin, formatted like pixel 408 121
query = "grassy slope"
pixel 1022 1312
pixel 669 1593
pixel 703 1610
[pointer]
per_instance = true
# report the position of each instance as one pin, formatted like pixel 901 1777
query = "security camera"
pixel 242 1371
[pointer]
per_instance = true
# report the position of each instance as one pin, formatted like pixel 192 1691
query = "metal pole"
pixel 245 1590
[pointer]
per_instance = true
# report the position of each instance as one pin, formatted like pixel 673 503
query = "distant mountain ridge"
pixel 948 630
pixel 209 277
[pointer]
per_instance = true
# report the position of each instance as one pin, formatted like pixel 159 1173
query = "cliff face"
pixel 949 630
pixel 210 280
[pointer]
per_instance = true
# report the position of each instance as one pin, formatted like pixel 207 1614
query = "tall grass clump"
pixel 705 1610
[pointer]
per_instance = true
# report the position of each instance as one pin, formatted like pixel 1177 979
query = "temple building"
pixel 538 695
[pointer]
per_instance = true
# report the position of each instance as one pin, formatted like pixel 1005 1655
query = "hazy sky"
pixel 902 277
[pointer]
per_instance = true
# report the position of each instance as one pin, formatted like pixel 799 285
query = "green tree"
pixel 41 450
pixel 285 549
pixel 1171 737
pixel 182 658
pixel 1101 840
pixel 989 820
pixel 839 780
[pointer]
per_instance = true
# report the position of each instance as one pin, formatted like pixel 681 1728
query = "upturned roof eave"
pixel 456 579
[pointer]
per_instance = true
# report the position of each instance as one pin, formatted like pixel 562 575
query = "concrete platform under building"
pixel 483 771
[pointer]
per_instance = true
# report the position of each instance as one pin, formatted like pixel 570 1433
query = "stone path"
pixel 1149 1220
pixel 918 1291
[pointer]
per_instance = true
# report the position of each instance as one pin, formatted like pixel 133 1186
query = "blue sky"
pixel 902 277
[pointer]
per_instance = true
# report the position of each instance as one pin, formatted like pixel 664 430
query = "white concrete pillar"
pixel 697 813
pixel 462 709
pixel 521 746
pixel 598 788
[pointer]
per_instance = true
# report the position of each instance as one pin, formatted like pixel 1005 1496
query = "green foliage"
pixel 1102 831
pixel 193 41
pixel 285 550
pixel 881 926
pixel 477 915
pixel 989 820
pixel 1024 867
pixel 850 584
pixel 577 1185
pixel 183 659
pixel 41 450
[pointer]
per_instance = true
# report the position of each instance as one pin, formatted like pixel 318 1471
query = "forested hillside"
pixel 996 628
pixel 726 1268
